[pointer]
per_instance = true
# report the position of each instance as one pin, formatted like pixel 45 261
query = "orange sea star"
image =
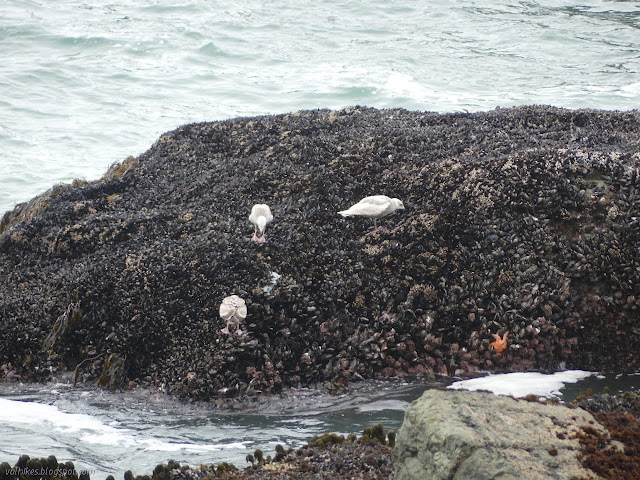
pixel 500 344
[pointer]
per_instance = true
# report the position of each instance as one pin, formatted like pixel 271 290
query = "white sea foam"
pixel 14 411
pixel 160 446
pixel 632 90
pixel 91 430
pixel 380 405
pixel 326 76
pixel 404 85
pixel 519 384
pixel 124 440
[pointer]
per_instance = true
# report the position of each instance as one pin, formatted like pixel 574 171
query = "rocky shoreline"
pixel 521 220
pixel 598 437
pixel 367 457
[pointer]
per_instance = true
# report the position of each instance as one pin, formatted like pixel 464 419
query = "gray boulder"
pixel 458 435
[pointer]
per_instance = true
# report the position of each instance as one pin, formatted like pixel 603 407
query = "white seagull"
pixel 376 206
pixel 233 310
pixel 260 217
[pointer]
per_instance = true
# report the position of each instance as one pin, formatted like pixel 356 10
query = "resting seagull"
pixel 376 206
pixel 233 310
pixel 260 217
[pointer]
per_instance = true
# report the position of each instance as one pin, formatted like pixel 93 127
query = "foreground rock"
pixel 475 435
pixel 523 220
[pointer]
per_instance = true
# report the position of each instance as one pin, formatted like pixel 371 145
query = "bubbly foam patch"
pixel 91 430
pixel 520 384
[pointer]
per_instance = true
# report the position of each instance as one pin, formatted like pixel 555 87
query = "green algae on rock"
pixel 523 220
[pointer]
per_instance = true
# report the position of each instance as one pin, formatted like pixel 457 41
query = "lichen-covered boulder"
pixel 460 435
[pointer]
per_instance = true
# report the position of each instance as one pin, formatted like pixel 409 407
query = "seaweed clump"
pixel 608 459
pixel 376 433
pixel 326 439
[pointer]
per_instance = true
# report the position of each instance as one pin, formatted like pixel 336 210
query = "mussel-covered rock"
pixel 521 220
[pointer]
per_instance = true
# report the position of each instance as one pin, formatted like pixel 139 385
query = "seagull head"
pixel 397 204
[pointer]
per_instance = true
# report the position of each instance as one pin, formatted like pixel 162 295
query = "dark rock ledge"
pixel 523 220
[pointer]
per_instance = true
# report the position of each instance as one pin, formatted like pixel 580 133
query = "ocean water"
pixel 109 433
pixel 85 84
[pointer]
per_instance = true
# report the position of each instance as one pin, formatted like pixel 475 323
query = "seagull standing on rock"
pixel 376 206
pixel 260 217
pixel 233 310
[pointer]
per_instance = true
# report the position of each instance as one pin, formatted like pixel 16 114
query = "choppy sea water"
pixel 85 84
pixel 109 433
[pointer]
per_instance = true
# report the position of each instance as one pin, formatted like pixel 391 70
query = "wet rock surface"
pixel 521 220
pixel 626 402
pixel 482 436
